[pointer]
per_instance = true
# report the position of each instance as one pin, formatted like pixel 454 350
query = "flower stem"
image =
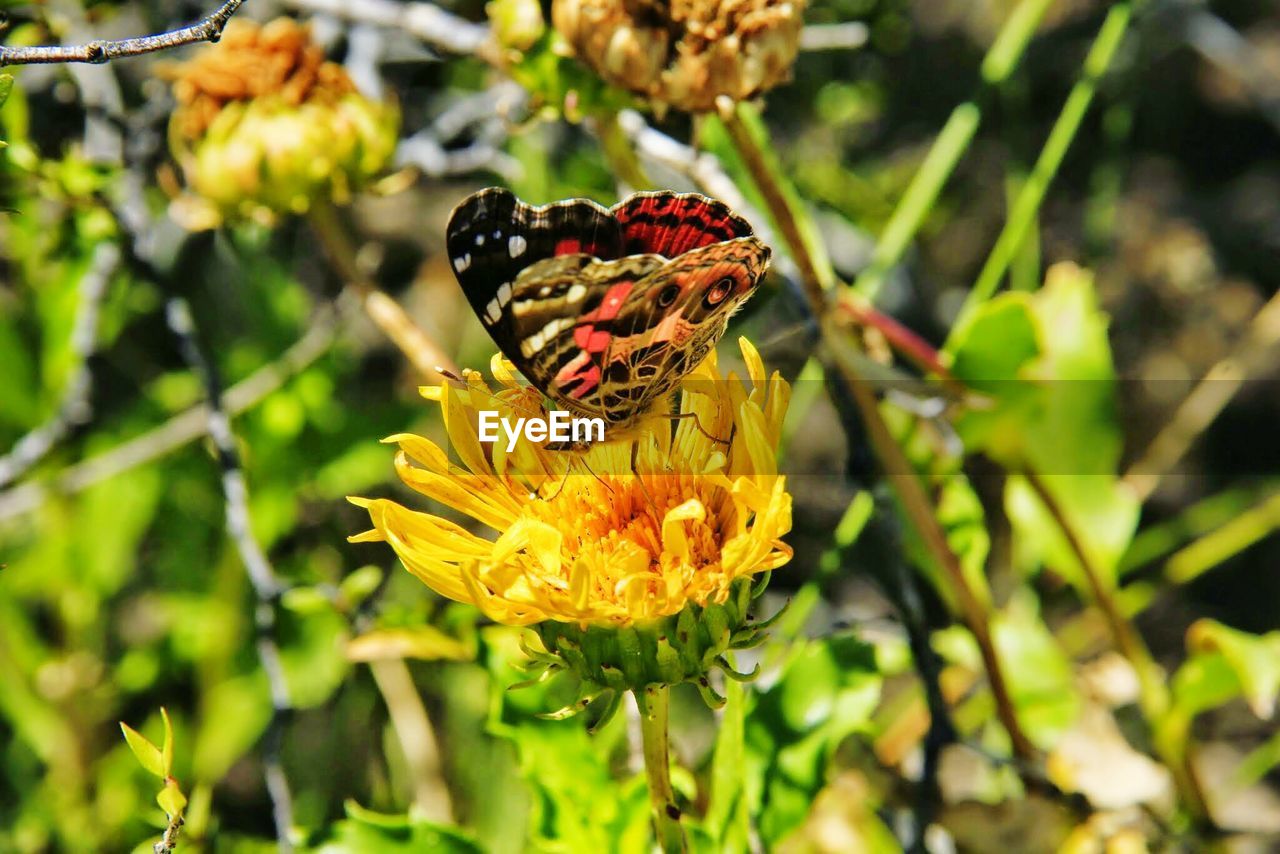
pixel 654 703
pixel 920 512
pixel 1153 694
pixel 620 153
pixel 422 352
pixel 815 275
pixel 914 499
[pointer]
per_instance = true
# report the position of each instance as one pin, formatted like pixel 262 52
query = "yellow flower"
pixel 622 534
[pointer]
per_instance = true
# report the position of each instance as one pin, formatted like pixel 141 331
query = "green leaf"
pixel 827 691
pixel 1044 362
pixel 578 802
pixel 366 830
pixel 1041 680
pixel 1255 660
pixel 166 754
pixel 6 86
pixel 171 799
pixel 147 754
pixel 357 586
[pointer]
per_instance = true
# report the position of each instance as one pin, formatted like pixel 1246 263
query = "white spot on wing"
pixel 504 293
pixel 544 291
pixel 493 312
pixel 461 264
pixel 544 336
pixel 516 245
pixel 576 293
pixel 479 240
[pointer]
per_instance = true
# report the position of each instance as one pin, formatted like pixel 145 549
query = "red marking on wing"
pixel 591 339
pixel 673 225
pixel 581 371
pixel 590 379
pixel 567 246
pixel 611 304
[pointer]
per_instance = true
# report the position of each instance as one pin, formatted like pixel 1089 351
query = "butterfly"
pixel 604 310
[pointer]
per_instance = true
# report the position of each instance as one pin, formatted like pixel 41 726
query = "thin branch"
pixel 816 276
pixel 75 408
pixel 208 29
pixel 416 735
pixel 424 21
pixel 180 430
pixel 424 353
pixel 266 585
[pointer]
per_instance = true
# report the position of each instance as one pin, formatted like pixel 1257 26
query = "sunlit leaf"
pixel 1255 659
pixel 425 642
pixel 148 755
pixel 171 799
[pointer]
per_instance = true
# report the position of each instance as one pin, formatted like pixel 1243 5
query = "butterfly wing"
pixel 671 320
pixel 671 224
pixel 493 236
pixel 560 313
pixel 604 311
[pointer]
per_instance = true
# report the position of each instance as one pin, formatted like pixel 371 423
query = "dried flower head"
pixel 685 53
pixel 265 125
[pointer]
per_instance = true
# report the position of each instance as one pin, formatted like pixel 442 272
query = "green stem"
pixel 948 148
pixel 815 274
pixel 914 499
pixel 1153 693
pixel 619 152
pixel 919 511
pixel 1027 204
pixel 654 703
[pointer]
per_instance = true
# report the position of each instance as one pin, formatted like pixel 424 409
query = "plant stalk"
pixel 920 512
pixel 654 703
pixel 1153 695
pixel 815 278
pixel 423 353
pixel 914 500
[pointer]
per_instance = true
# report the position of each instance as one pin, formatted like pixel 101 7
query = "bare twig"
pixel 74 408
pixel 266 585
pixel 816 276
pixel 1219 43
pixel 416 736
pixel 425 21
pixel 208 29
pixel 179 430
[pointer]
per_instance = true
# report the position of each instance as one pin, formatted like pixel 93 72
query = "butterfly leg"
pixel 698 424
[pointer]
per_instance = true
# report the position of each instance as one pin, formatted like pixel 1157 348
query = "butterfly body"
pixel 604 310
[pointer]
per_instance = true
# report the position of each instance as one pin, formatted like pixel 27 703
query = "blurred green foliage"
pixel 122 594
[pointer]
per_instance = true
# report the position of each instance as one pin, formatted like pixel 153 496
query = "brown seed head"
pixel 685 53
